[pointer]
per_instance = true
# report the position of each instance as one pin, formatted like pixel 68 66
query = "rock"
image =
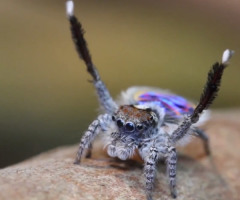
pixel 52 175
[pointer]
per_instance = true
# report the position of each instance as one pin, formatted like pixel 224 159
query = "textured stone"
pixel 52 175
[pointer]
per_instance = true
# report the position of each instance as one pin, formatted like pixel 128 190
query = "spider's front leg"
pixel 100 124
pixel 150 170
pixel 171 163
pixel 104 96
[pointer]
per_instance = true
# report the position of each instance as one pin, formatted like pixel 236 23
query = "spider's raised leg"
pixel 150 171
pixel 104 96
pixel 203 136
pixel 171 163
pixel 100 124
pixel 209 94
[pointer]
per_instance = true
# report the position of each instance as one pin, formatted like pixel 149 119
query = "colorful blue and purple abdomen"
pixel 174 104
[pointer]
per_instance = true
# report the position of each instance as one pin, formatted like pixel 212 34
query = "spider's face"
pixel 130 119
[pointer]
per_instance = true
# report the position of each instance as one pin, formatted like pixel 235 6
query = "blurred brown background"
pixel 45 98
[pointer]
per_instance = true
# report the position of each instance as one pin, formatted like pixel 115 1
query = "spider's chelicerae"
pixel 149 120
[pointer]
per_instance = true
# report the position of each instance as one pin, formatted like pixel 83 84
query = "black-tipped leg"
pixel 79 40
pixel 203 136
pixel 82 49
pixel 210 92
pixel 212 85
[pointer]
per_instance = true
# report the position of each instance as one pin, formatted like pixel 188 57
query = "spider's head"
pixel 131 119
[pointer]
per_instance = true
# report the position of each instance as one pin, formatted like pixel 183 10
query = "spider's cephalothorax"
pixel 149 120
pixel 134 121
pixel 134 125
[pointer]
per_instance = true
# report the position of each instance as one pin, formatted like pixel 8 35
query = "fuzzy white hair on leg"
pixel 227 54
pixel 69 8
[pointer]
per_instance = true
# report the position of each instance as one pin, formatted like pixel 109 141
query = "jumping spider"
pixel 149 120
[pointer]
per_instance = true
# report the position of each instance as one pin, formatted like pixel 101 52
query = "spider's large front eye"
pixel 130 126
pixel 120 123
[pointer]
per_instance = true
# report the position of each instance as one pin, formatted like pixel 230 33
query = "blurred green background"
pixel 46 100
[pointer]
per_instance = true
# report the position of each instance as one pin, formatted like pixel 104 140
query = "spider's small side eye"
pixel 120 123
pixel 113 118
pixel 151 118
pixel 139 127
pixel 130 126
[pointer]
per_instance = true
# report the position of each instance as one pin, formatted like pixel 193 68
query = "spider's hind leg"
pixel 204 137
pixel 209 94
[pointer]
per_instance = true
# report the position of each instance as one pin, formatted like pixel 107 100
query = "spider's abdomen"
pixel 172 103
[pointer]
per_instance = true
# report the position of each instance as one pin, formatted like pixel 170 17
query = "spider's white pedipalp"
pixel 227 54
pixel 69 8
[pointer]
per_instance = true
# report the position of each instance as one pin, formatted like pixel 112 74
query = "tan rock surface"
pixel 52 175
